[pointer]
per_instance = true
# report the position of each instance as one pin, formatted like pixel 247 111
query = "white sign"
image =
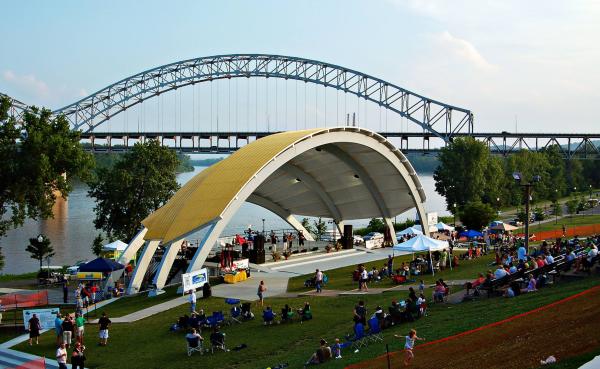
pixel 240 264
pixel 46 317
pixel 432 218
pixel 193 280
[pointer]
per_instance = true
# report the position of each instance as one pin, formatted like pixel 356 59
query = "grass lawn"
pixel 341 278
pixel 577 220
pixel 149 344
pixel 128 305
pixel 17 277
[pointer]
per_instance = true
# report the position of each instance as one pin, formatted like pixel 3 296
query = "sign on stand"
pixel 194 280
pixel 240 264
pixel 46 317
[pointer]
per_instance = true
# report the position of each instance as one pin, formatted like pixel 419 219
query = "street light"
pixel 454 212
pixel 263 232
pixel 527 186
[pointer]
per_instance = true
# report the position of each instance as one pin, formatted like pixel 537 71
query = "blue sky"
pixel 536 61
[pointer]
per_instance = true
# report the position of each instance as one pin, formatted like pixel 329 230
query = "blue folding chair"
pixel 374 330
pixel 359 339
pixel 268 316
pixel 218 315
pixel 236 314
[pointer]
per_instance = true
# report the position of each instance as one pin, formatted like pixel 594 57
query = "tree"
pixel 539 214
pixel 306 224
pixel 1 259
pixel 557 209
pixel 475 215
pixel 376 225
pixel 320 228
pixel 572 206
pixel 40 249
pixel 97 245
pixel 467 172
pixel 38 156
pixel 138 184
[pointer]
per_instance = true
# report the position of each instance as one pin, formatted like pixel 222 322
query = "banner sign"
pixel 374 243
pixel 89 275
pixel 193 280
pixel 240 264
pixel 46 317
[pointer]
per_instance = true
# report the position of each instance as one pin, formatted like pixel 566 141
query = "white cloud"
pixel 28 84
pixel 32 90
pixel 464 50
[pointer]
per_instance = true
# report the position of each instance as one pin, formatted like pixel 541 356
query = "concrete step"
pixel 324 257
pixel 297 258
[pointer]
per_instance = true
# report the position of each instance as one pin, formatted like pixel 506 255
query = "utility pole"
pixel 527 186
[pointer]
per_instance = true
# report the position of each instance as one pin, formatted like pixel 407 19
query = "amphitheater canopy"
pixel 340 173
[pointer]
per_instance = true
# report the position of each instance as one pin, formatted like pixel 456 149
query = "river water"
pixel 72 231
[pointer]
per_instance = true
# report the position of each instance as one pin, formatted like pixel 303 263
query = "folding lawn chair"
pixel 217 341
pixel 359 339
pixel 194 345
pixel 374 330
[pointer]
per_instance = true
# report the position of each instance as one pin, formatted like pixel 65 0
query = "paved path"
pixel 152 310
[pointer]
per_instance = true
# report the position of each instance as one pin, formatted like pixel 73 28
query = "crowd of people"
pixel 578 254
pixel 70 331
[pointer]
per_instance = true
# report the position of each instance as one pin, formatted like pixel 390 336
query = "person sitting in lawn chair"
pixel 286 314
pixel 268 315
pixel 305 313
pixel 217 340
pixel 246 313
pixel 194 342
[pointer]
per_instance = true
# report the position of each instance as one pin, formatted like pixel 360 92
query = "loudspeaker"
pixel 348 239
pixel 259 242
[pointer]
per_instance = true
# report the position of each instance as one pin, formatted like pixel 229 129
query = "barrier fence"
pixel 395 359
pixel 24 300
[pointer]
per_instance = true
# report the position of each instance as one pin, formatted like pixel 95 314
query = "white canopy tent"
pixel 410 231
pixel 117 245
pixel 444 227
pixel 422 243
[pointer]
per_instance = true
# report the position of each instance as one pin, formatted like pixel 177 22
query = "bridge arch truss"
pixel 437 118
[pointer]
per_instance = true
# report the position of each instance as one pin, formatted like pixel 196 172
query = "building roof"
pixel 342 173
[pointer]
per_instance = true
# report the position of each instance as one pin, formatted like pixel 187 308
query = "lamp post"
pixel 263 232
pixel 454 212
pixel 498 206
pixel 527 186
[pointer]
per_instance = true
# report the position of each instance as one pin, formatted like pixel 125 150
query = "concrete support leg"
pixel 142 266
pixel 206 245
pixel 390 223
pixel 134 245
pixel 166 264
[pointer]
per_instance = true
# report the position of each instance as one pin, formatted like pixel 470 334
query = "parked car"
pixel 372 235
pixel 73 269
pixel 358 240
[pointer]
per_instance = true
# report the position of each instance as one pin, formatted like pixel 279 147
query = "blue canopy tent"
pixel 101 265
pixel 470 234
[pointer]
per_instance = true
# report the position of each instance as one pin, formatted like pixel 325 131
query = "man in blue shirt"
pixel 58 328
pixel 522 253
pixel 500 272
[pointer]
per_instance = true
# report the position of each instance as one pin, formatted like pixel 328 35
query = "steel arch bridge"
pixel 437 118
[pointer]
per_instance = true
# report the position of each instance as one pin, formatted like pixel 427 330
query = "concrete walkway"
pixel 152 310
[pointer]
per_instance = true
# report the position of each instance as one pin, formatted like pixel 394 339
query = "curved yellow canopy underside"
pixel 205 197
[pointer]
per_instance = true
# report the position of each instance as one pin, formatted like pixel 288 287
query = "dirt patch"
pixel 564 329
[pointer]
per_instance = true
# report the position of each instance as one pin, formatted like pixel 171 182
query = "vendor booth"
pixel 114 249
pixel 422 243
pixel 103 268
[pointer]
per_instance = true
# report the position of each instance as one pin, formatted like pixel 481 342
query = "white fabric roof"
pixel 118 245
pixel 444 227
pixel 421 243
pixel 409 231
